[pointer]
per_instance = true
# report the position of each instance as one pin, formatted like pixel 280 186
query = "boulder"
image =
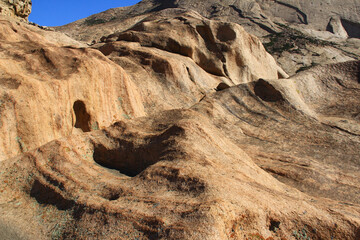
pixel 335 26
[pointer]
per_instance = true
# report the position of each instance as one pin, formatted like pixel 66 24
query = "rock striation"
pixel 257 160
pixel 77 82
pixel 329 29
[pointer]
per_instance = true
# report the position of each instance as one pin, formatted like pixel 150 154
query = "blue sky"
pixel 57 13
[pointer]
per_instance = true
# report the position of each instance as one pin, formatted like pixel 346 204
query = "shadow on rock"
pixel 46 195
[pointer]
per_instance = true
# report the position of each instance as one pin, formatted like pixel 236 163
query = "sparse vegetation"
pixel 95 126
pixel 94 21
pixel 303 68
pixel 126 116
pixel 301 234
pixel 291 40
pixel 91 21
pixel 21 144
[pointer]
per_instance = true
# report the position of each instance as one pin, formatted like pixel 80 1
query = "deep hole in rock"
pixel 206 33
pixel 130 158
pixel 267 92
pixel 111 194
pixel 222 86
pixel 329 28
pixel 114 196
pixel 82 117
pixel 274 225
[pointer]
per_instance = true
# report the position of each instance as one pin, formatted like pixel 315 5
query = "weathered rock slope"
pixel 49 86
pixel 177 127
pixel 187 56
pixel 231 167
pixel 258 17
pixel 44 86
pixel 320 32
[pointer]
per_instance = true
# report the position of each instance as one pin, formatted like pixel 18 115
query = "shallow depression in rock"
pixel 131 158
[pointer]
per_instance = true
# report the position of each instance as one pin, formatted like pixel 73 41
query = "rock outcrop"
pixel 335 26
pixel 46 88
pixel 231 167
pixel 187 56
pixel 16 8
pixel 257 17
pixel 329 21
pixel 81 88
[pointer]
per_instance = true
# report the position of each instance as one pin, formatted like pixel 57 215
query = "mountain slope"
pixel 319 32
pixel 175 127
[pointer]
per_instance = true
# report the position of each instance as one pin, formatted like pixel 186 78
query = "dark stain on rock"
pixel 10 83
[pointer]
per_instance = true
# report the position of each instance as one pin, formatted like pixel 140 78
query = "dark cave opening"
pixel 274 225
pixel 267 92
pixel 82 116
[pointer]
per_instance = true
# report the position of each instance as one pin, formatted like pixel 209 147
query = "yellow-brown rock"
pixel 16 8
pixel 231 167
pixel 220 48
pixel 177 128
pixel 45 87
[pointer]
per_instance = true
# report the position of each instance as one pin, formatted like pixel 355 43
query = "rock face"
pixel 219 48
pixel 84 89
pixel 15 8
pixel 257 17
pixel 46 89
pixel 231 167
pixel 320 22
pixel 175 127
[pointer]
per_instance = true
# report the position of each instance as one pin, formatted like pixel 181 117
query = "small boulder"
pixel 335 26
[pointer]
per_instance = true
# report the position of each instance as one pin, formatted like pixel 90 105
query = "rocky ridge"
pixel 257 17
pixel 316 22
pixel 176 127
